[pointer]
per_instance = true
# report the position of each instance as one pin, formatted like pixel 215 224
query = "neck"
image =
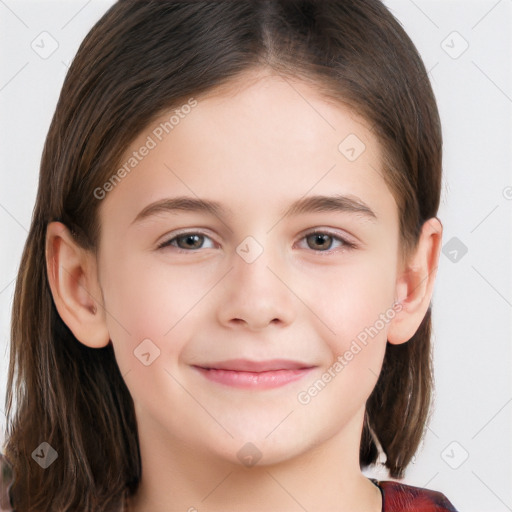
pixel 175 477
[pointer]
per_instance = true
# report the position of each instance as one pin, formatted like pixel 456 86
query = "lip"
pixel 243 373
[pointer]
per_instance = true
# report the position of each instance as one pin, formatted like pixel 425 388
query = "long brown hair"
pixel 143 58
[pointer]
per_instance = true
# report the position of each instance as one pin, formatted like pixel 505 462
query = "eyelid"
pixel 349 242
pixel 176 234
pixel 333 231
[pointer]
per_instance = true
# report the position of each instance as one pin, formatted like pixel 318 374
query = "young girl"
pixel 224 299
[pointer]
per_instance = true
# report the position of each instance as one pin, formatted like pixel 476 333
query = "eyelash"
pixel 346 245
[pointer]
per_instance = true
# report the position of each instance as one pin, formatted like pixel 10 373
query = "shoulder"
pixel 397 497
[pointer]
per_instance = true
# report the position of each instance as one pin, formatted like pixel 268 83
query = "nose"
pixel 256 294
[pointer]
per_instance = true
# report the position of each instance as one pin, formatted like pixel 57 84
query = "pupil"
pixel 190 239
pixel 321 239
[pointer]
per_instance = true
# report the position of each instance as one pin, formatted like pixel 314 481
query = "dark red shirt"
pixel 397 497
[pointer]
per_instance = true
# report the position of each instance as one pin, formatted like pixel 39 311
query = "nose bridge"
pixel 255 294
pixel 252 263
pixel 259 258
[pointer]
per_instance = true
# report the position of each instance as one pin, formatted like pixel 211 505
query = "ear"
pixel 73 279
pixel 415 283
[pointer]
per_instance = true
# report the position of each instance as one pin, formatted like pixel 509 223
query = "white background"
pixel 473 297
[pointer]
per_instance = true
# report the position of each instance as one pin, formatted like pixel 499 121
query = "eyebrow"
pixel 312 204
pixel 182 203
pixel 334 203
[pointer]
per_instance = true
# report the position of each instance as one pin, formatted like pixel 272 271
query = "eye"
pixel 187 242
pixel 319 241
pixel 323 241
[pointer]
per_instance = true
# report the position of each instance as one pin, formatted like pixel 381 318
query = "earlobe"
pixel 73 280
pixel 415 284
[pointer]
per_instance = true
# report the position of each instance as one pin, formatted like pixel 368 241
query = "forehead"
pixel 256 143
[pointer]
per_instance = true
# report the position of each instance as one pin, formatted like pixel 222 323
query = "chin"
pixel 259 449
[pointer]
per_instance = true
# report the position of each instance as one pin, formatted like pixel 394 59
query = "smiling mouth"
pixel 247 374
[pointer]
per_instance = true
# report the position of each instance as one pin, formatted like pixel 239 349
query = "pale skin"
pixel 255 150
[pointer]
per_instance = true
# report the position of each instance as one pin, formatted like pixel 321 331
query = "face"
pixel 261 319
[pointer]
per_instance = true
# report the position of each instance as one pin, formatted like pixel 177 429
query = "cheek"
pixel 356 300
pixel 148 302
pixel 358 308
